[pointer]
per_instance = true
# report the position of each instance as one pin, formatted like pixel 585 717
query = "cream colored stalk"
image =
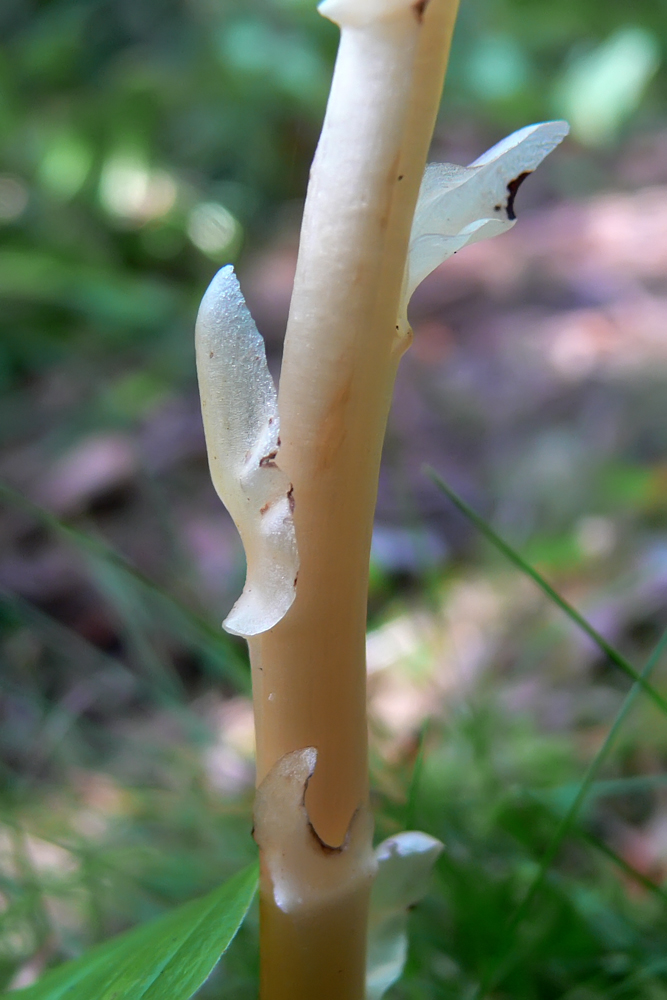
pixel 338 369
pixel 341 352
pixel 299 471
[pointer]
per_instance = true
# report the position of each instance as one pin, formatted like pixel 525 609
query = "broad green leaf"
pixel 165 959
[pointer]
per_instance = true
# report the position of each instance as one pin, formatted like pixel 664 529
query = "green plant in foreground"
pixel 167 958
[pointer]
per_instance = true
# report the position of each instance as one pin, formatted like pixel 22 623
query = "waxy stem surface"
pixel 341 352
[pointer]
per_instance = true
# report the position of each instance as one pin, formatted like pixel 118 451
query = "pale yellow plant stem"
pixel 338 370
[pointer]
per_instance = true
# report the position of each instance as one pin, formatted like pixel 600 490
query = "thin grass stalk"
pixel 612 654
pixel 503 966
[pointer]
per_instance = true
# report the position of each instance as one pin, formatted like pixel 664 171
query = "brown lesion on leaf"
pixel 419 7
pixel 512 189
pixel 269 503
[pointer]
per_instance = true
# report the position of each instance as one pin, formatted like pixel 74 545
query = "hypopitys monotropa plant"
pixel 298 472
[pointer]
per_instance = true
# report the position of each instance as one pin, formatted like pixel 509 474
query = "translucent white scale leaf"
pixel 461 205
pixel 307 877
pixel 240 412
pixel 405 863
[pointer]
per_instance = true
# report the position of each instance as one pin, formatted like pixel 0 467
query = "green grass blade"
pixel 494 977
pixel 563 796
pixel 166 959
pixel 60 638
pixel 639 980
pixel 601 846
pixel 213 640
pixel 415 779
pixel 605 647
pixel 125 598
pixel 625 866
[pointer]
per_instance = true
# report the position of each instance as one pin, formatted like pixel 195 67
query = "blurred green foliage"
pixel 120 122
pixel 142 144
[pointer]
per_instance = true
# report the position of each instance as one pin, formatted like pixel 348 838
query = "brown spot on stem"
pixel 512 189
pixel 401 176
pixel 419 7
pixel 384 213
pixel 264 509
pixel 268 461
pixel 290 500
pixel 210 354
pixel 334 426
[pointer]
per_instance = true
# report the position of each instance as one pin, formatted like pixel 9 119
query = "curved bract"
pixel 461 205
pixel 240 412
